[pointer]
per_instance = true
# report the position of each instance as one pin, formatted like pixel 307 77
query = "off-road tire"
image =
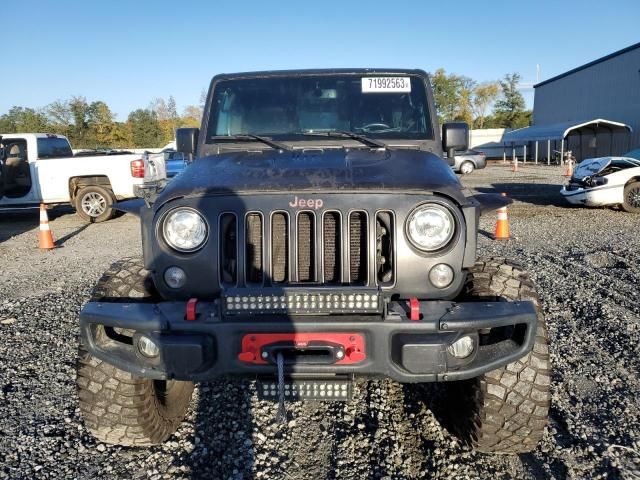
pixel 98 192
pixel 631 198
pixel 506 409
pixel 119 407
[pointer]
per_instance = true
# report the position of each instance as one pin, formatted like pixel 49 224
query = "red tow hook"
pixel 191 314
pixel 414 309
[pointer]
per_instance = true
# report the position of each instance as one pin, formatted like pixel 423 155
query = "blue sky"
pixel 128 52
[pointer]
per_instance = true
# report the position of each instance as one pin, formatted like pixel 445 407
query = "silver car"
pixel 469 160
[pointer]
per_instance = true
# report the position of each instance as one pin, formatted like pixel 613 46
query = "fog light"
pixel 175 277
pixel 148 347
pixel 462 348
pixel 441 275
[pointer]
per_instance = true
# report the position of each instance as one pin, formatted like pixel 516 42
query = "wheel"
pixel 467 167
pixel 94 204
pixel 632 197
pixel 119 407
pixel 505 410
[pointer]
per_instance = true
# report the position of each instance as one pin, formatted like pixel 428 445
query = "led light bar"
pixel 301 302
pixel 320 389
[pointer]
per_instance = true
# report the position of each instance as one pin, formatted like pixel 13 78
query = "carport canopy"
pixel 572 133
pixel 560 131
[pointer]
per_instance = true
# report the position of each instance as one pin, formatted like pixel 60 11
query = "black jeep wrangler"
pixel 318 236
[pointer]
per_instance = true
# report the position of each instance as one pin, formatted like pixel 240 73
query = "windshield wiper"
pixel 369 142
pixel 257 138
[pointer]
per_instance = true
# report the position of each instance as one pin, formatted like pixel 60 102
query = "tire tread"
pixel 511 404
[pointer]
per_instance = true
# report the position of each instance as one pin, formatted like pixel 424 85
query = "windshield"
pixel 393 107
pixel 54 147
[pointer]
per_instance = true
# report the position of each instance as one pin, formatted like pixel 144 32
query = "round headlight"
pixel 430 227
pixel 184 229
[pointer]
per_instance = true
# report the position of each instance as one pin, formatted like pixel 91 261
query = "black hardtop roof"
pixel 319 71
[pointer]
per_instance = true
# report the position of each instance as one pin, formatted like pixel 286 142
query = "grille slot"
pixel 228 249
pixel 306 247
pixel 253 248
pixel 279 247
pixel 385 257
pixel 331 242
pixel 358 247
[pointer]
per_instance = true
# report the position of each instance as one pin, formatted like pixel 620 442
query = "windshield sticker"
pixel 386 84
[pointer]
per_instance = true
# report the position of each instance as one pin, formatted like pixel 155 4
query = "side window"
pixel 14 151
pixel 54 147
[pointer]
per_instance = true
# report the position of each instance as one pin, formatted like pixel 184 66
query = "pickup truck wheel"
pixel 505 410
pixel 631 202
pixel 119 407
pixel 94 204
pixel 467 167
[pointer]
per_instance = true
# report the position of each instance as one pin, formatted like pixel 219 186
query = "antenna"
pixel 537 73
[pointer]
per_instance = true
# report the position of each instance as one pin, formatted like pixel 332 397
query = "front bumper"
pixel 394 346
pixel 594 197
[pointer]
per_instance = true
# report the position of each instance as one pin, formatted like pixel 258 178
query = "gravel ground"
pixel 587 267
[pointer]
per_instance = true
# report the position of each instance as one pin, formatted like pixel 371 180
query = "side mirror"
pixel 455 136
pixel 187 140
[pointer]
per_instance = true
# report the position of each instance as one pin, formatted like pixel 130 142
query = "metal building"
pixel 592 110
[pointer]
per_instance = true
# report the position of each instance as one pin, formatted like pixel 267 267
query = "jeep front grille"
pixel 306 247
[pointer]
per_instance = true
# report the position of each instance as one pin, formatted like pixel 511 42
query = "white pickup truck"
pixel 41 168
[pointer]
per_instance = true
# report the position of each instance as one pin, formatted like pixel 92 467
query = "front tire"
pixel 119 407
pixel 631 202
pixel 507 409
pixel 94 204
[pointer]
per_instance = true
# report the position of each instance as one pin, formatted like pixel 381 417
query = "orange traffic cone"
pixel 44 234
pixel 502 224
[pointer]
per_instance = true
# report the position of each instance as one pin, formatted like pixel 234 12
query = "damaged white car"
pixel 606 181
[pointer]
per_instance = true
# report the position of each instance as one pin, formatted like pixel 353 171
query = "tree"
pixel 171 108
pixel 203 98
pixel 509 110
pixel 166 112
pixel 145 128
pixel 101 124
pixel 445 95
pixel 60 117
pixel 79 132
pixel 464 108
pixel 191 116
pixel 19 119
pixel 483 96
pixel 452 94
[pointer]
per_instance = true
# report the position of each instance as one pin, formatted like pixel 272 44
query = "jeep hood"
pixel 337 170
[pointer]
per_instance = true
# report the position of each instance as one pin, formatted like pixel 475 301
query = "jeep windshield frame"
pixel 301 106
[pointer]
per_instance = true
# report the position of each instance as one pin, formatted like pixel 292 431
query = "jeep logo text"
pixel 306 203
